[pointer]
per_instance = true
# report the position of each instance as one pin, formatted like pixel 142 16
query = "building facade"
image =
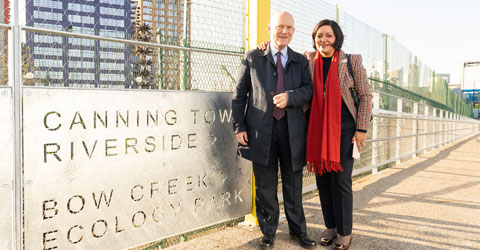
pixel 80 62
pixel 166 18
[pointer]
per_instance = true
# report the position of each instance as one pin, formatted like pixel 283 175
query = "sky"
pixel 443 34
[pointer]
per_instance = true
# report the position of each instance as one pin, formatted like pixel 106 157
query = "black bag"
pixel 353 89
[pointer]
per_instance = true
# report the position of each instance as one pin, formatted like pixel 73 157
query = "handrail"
pixel 131 42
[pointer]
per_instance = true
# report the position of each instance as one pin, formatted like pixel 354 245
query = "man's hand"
pixel 281 100
pixel 242 138
pixel 359 137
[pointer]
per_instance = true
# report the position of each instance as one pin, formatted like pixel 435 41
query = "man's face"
pixel 281 30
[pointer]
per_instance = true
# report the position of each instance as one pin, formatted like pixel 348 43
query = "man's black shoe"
pixel 304 240
pixel 266 242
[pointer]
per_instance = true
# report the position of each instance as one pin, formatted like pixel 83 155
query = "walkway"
pixel 431 202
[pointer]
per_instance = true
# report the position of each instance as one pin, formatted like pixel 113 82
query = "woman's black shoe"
pixel 327 242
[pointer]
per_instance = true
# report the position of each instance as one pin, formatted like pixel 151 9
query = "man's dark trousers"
pixel 266 183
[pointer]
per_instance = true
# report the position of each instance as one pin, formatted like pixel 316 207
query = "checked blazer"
pixel 362 115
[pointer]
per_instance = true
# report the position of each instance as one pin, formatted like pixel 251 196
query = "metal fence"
pixel 68 44
pixel 92 45
pixel 402 129
pixel 148 44
pixel 384 57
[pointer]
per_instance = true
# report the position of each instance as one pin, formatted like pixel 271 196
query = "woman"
pixel 334 125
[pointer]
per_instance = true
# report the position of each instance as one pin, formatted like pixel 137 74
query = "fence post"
pixel 443 114
pixel 376 106
pixel 399 128
pixel 415 130
pixel 17 117
pixel 425 129
pixel 258 19
pixel 457 123
pixel 435 125
pixel 449 127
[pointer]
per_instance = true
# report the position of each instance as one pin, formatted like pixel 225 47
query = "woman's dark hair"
pixel 336 30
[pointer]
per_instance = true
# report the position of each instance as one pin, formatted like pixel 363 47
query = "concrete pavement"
pixel 430 202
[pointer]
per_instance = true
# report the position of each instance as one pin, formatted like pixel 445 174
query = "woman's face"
pixel 324 41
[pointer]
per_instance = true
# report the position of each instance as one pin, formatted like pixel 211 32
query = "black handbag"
pixel 353 89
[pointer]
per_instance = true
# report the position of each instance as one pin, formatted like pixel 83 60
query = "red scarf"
pixel 323 141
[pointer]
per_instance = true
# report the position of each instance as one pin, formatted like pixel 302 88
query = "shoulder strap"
pixel 349 65
pixel 350 69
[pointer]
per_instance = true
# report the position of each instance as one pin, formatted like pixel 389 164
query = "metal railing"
pixel 395 136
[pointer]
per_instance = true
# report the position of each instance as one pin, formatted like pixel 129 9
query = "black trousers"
pixel 266 183
pixel 335 189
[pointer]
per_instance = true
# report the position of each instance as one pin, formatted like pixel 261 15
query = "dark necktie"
pixel 278 113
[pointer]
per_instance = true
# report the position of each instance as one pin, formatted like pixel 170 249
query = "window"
pixel 47 39
pixel 81 53
pixel 112 11
pixel 81 42
pixel 81 7
pixel 47 51
pixel 48 26
pixel 112 22
pixel 112 66
pixel 47 63
pixel 81 76
pixel 81 65
pixel 83 30
pixel 112 55
pixel 112 33
pixel 51 74
pixel 112 77
pixel 81 19
pixel 116 2
pixel 48 4
pixel 114 45
pixel 47 15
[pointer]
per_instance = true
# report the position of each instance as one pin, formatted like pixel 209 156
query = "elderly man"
pixel 271 88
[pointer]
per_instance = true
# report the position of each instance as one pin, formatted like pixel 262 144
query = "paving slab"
pixel 429 202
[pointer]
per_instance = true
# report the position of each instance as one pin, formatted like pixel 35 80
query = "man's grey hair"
pixel 274 17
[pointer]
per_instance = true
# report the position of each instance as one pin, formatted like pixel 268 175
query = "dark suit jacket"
pixel 252 104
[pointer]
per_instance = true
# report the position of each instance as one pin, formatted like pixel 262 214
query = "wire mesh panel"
pixel 3 56
pixel 384 57
pixel 71 61
pixel 86 62
pixel 366 156
pixel 213 72
pixel 4 19
pixel 306 14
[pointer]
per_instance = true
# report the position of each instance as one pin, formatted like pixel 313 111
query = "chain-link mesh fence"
pixel 64 59
pixel 213 33
pixel 4 22
pixel 3 56
pixel 60 60
pixel 384 57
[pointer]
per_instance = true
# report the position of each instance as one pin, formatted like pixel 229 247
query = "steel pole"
pixel 17 110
